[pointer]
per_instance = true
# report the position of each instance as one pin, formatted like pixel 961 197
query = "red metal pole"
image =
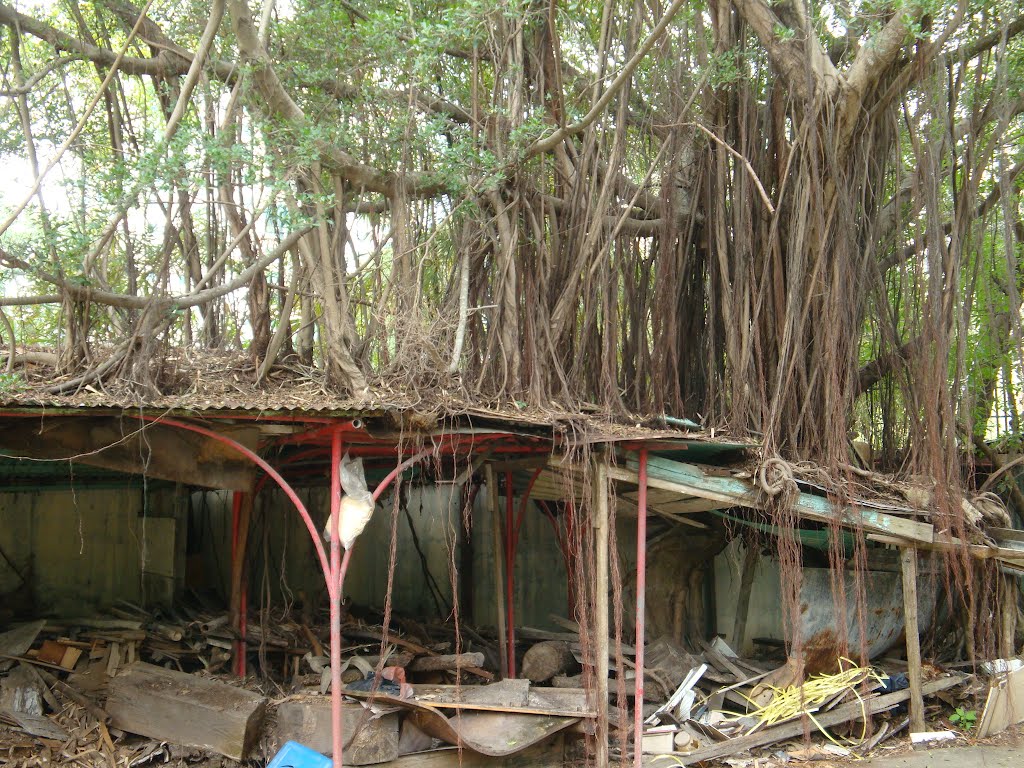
pixel 335 597
pixel 510 560
pixel 641 588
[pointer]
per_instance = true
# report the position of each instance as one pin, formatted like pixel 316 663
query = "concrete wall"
pixel 84 549
pixel 764 618
pixel 283 561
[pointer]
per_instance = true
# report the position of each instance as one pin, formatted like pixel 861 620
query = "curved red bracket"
pixel 262 464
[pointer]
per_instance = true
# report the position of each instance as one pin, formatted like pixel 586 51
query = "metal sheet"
pixel 823 619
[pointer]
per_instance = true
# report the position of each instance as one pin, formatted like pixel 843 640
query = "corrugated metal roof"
pixel 222 384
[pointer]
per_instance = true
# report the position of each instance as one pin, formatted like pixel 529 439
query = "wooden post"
pixel 491 478
pixel 739 629
pixel 1008 633
pixel 908 567
pixel 601 523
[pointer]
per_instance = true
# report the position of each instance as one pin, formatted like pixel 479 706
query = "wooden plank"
pixel 854 710
pixel 908 563
pixel 1004 706
pixel 673 502
pixel 739 628
pixel 38 725
pixel 601 523
pixel 186 709
pixel 719 660
pixel 1011 557
pixel 367 739
pixel 689 479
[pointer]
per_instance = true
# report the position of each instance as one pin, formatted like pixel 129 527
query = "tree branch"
pixel 549 142
pixel 110 299
pixel 802 63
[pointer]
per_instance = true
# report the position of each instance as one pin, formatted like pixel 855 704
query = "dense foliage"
pixel 801 220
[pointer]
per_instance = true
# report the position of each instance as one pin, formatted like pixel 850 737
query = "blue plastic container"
pixel 293 755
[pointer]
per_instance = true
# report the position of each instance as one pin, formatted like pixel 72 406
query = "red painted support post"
pixel 641 588
pixel 510 564
pixel 335 597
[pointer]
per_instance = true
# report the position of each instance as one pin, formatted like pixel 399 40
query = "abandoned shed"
pixel 521 582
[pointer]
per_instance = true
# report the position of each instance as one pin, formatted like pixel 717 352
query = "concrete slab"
pixel 980 756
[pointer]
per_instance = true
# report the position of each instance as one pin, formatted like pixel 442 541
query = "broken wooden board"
pixel 17 641
pixel 185 709
pixel 1004 706
pixel 549 754
pixel 691 480
pixel 368 739
pixel 38 725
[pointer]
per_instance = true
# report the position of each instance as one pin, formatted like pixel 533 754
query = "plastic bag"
pixel 357 503
pixel 353 479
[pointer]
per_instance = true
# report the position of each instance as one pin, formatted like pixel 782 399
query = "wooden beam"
pixel 691 480
pixel 908 561
pixel 1011 557
pixel 186 709
pixel 601 523
pixel 123 445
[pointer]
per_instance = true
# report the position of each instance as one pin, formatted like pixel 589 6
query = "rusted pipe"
pixel 641 589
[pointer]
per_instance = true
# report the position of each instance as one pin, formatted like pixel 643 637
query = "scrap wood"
pixel 16 642
pixel 720 661
pixel 38 725
pixel 81 700
pixel 447 662
pixel 414 647
pixel 847 712
pixel 1004 705
pixel 186 709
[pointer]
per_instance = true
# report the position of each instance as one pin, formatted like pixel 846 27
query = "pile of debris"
pixel 128 689
pixel 724 707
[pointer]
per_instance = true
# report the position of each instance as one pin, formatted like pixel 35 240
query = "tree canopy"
pixel 798 220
